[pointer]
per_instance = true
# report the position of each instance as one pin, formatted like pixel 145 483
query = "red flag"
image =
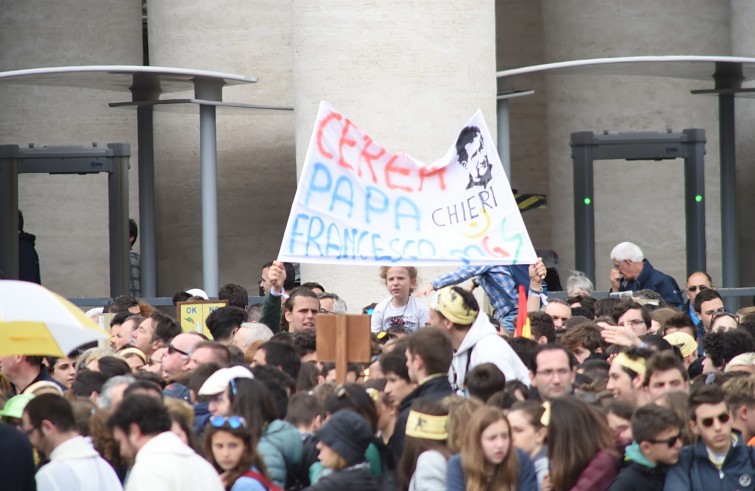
pixel 523 328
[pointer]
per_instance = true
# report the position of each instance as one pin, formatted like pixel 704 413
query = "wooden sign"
pixel 191 315
pixel 343 339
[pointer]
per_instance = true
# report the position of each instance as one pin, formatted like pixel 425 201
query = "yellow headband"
pixel 420 425
pixel 637 366
pixel 545 419
pixel 133 351
pixel 452 306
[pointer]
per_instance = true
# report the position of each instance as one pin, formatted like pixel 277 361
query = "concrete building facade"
pixel 408 73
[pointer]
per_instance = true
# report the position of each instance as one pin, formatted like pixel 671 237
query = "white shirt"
pixel 414 314
pixel 165 463
pixel 76 466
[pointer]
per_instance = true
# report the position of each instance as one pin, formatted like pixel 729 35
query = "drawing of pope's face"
pixel 473 156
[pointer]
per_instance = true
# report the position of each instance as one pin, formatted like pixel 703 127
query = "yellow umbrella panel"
pixel 36 321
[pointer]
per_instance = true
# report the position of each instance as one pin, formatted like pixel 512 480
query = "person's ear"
pixel 288 315
pixel 740 412
pixel 46 427
pixel 637 382
pixel 533 380
pixel 693 427
pixel 645 447
pixel 540 435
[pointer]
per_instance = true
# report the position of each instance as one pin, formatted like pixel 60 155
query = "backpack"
pixel 269 485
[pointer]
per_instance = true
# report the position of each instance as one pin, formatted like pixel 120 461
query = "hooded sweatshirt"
pixel 482 344
pixel 640 473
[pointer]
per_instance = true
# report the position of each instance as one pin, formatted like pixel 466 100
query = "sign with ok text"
pixel 358 203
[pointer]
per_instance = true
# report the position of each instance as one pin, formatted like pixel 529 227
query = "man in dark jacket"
pixel 719 460
pixel 16 460
pixel 28 259
pixel 428 357
pixel 632 272
pixel 657 442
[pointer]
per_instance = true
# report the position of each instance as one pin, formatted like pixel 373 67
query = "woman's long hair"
pixel 249 458
pixel 460 409
pixel 251 400
pixel 414 447
pixel 576 432
pixel 473 462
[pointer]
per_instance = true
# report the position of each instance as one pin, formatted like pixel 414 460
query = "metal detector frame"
pixel 588 147
pixel 114 159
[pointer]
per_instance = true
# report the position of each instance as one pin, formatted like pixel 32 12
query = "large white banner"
pixel 358 203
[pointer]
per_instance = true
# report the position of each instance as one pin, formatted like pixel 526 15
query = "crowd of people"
pixel 638 391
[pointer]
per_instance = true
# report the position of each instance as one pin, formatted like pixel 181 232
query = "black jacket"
pixel 356 478
pixel 28 259
pixel 434 390
pixel 638 477
pixel 16 460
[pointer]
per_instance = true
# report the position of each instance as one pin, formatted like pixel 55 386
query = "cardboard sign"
pixel 191 315
pixel 343 339
pixel 358 203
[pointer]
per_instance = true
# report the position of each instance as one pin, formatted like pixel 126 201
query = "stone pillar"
pixel 642 202
pixel 69 213
pixel 255 148
pixel 743 44
pixel 519 42
pixel 408 73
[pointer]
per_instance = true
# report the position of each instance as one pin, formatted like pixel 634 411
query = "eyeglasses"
pixel 708 422
pixel 172 349
pixel 694 288
pixel 633 322
pixel 670 442
pixel 326 311
pixel 561 372
pixel 234 422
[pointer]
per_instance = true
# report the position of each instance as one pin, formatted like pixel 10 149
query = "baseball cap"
pixel 218 381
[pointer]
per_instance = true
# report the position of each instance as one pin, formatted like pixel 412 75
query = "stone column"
pixel 69 213
pixel 642 202
pixel 255 148
pixel 519 42
pixel 743 44
pixel 408 73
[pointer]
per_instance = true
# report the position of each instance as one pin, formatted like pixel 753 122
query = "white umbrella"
pixel 36 321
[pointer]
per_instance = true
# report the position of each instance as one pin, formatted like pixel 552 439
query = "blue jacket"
pixel 695 472
pixel 281 449
pixel 201 417
pixel 661 283
pixel 526 480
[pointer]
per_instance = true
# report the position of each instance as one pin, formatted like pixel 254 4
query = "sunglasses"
pixel 708 422
pixel 172 349
pixel 694 288
pixel 670 442
pixel 233 422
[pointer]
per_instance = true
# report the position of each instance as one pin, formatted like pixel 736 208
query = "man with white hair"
pixel 632 272
pixel 249 332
